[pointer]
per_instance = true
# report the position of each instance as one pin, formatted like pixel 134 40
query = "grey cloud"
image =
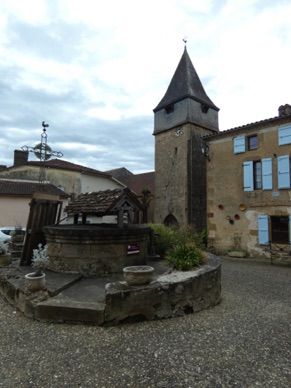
pixel 48 42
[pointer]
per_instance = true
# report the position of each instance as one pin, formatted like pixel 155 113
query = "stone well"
pixel 95 249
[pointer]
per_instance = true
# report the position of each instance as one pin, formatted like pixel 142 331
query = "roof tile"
pixel 14 187
pixel 101 202
pixel 185 84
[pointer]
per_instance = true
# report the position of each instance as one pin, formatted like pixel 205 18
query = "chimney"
pixel 284 110
pixel 20 157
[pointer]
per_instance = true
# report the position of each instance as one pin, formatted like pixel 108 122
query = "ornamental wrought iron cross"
pixel 43 152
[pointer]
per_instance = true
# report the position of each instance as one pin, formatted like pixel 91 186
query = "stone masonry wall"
pixel 225 192
pixel 180 176
pixel 90 250
pixel 171 295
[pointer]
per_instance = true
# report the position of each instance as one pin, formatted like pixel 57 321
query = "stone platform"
pixel 108 300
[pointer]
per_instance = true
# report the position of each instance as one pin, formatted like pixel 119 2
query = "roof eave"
pixel 248 126
pixel 186 96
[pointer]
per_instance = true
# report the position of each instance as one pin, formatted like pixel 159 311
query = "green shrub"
pixel 171 242
pixel 185 256
pixel 189 234
pixel 164 238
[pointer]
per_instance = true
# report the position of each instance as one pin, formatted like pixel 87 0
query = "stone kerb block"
pixel 239 254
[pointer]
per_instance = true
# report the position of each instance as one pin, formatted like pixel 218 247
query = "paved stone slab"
pixel 82 302
pixel 57 282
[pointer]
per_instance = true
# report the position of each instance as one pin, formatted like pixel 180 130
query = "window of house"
pixel 284 172
pixel 263 229
pixel 284 135
pixel 258 175
pixel 252 142
pixel 239 144
pixel 267 171
pixel 280 229
pixel 248 176
pixel 275 229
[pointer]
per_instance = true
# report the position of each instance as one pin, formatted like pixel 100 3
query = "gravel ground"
pixel 243 342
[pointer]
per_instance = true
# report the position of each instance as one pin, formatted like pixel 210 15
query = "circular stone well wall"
pixel 95 249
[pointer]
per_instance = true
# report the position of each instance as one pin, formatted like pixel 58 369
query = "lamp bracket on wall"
pixel 205 149
pixel 179 131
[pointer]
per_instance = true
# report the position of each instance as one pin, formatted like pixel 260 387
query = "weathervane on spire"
pixel 185 40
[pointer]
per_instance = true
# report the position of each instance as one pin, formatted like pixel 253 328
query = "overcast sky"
pixel 94 70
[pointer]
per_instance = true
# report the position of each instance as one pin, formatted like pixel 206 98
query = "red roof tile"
pixel 65 165
pixel 14 187
pixel 142 181
pixel 101 202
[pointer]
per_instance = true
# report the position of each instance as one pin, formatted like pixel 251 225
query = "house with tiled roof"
pixel 15 196
pixel 249 186
pixel 70 177
pixel 120 173
pixel 138 182
pixel 143 185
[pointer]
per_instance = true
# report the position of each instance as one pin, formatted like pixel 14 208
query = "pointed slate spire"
pixel 185 84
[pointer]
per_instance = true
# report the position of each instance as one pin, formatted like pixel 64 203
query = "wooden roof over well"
pixel 107 202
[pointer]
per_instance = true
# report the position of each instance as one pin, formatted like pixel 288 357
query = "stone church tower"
pixel 181 118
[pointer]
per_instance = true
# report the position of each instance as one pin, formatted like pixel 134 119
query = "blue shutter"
pixel 239 144
pixel 263 230
pixel 248 176
pixel 267 173
pixel 284 135
pixel 283 172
